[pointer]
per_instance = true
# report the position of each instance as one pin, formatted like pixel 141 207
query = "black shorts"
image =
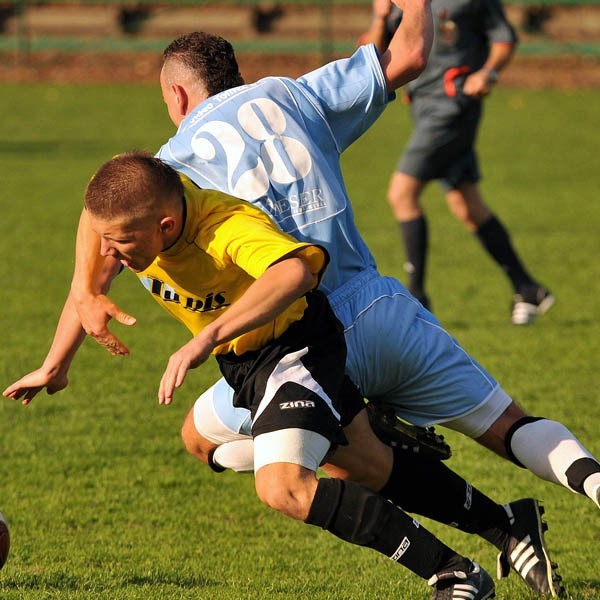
pixel 298 380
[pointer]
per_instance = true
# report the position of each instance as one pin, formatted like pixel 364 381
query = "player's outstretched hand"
pixel 28 386
pixel 190 356
pixel 95 311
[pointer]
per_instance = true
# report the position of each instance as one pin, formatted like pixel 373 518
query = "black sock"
pixel 495 239
pixel 357 515
pixel 417 485
pixel 415 236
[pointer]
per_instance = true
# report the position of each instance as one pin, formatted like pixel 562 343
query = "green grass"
pixel 103 501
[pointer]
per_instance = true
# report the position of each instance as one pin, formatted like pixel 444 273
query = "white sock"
pixel 592 487
pixel 237 455
pixel 548 449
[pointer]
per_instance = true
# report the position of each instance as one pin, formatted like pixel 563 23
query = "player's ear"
pixel 181 97
pixel 169 226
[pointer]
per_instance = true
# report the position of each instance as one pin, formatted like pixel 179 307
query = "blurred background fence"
pixel 327 27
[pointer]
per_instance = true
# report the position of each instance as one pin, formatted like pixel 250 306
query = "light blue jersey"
pixel 277 144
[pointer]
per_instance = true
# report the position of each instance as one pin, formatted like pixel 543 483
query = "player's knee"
pixel 194 443
pixel 291 500
pixel 286 488
pixel 402 204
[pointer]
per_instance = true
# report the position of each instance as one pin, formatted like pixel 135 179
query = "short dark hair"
pixel 209 57
pixel 132 186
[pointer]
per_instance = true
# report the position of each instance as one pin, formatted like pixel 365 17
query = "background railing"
pixel 328 27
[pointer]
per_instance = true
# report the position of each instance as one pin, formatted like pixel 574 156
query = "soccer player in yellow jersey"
pixel 246 291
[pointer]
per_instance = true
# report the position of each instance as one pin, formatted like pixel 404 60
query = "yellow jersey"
pixel 225 245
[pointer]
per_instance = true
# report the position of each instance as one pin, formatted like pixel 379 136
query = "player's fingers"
pixel 16 390
pixel 27 394
pixel 172 378
pixel 181 373
pixel 165 389
pixel 113 310
pixel 123 317
pixel 9 392
pixel 165 395
pixel 14 393
pixel 112 343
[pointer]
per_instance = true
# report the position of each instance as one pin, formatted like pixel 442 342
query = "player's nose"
pixel 105 248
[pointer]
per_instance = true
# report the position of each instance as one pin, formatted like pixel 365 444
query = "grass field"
pixel 103 501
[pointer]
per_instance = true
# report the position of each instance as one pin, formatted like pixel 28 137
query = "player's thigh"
pixel 400 356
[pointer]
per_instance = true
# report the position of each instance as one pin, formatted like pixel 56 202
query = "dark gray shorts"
pixel 442 143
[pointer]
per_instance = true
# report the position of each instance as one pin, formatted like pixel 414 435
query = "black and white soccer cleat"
pixel 458 585
pixel 527 306
pixel 526 551
pixel 394 432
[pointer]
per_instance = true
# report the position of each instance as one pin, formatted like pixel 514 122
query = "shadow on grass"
pixel 50 148
pixel 69 582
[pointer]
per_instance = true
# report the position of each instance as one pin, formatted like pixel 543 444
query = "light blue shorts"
pixel 400 357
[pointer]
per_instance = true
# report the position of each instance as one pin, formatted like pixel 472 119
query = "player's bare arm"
pixel 281 284
pixel 481 82
pixel 52 375
pixel 94 308
pixel 68 337
pixel 408 50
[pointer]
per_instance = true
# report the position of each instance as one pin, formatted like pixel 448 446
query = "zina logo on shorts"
pixel 296 404
pixel 402 548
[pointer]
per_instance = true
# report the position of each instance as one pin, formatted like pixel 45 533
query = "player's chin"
pixel 136 266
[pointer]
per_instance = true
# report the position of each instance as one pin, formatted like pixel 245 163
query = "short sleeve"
pixel 351 93
pixel 243 235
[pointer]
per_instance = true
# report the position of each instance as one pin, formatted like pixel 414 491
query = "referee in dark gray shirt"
pixel 473 43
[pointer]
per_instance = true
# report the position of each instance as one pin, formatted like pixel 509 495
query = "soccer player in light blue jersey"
pixel 277 143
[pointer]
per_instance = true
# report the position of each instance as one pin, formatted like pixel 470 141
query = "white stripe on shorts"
pixel 290 368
